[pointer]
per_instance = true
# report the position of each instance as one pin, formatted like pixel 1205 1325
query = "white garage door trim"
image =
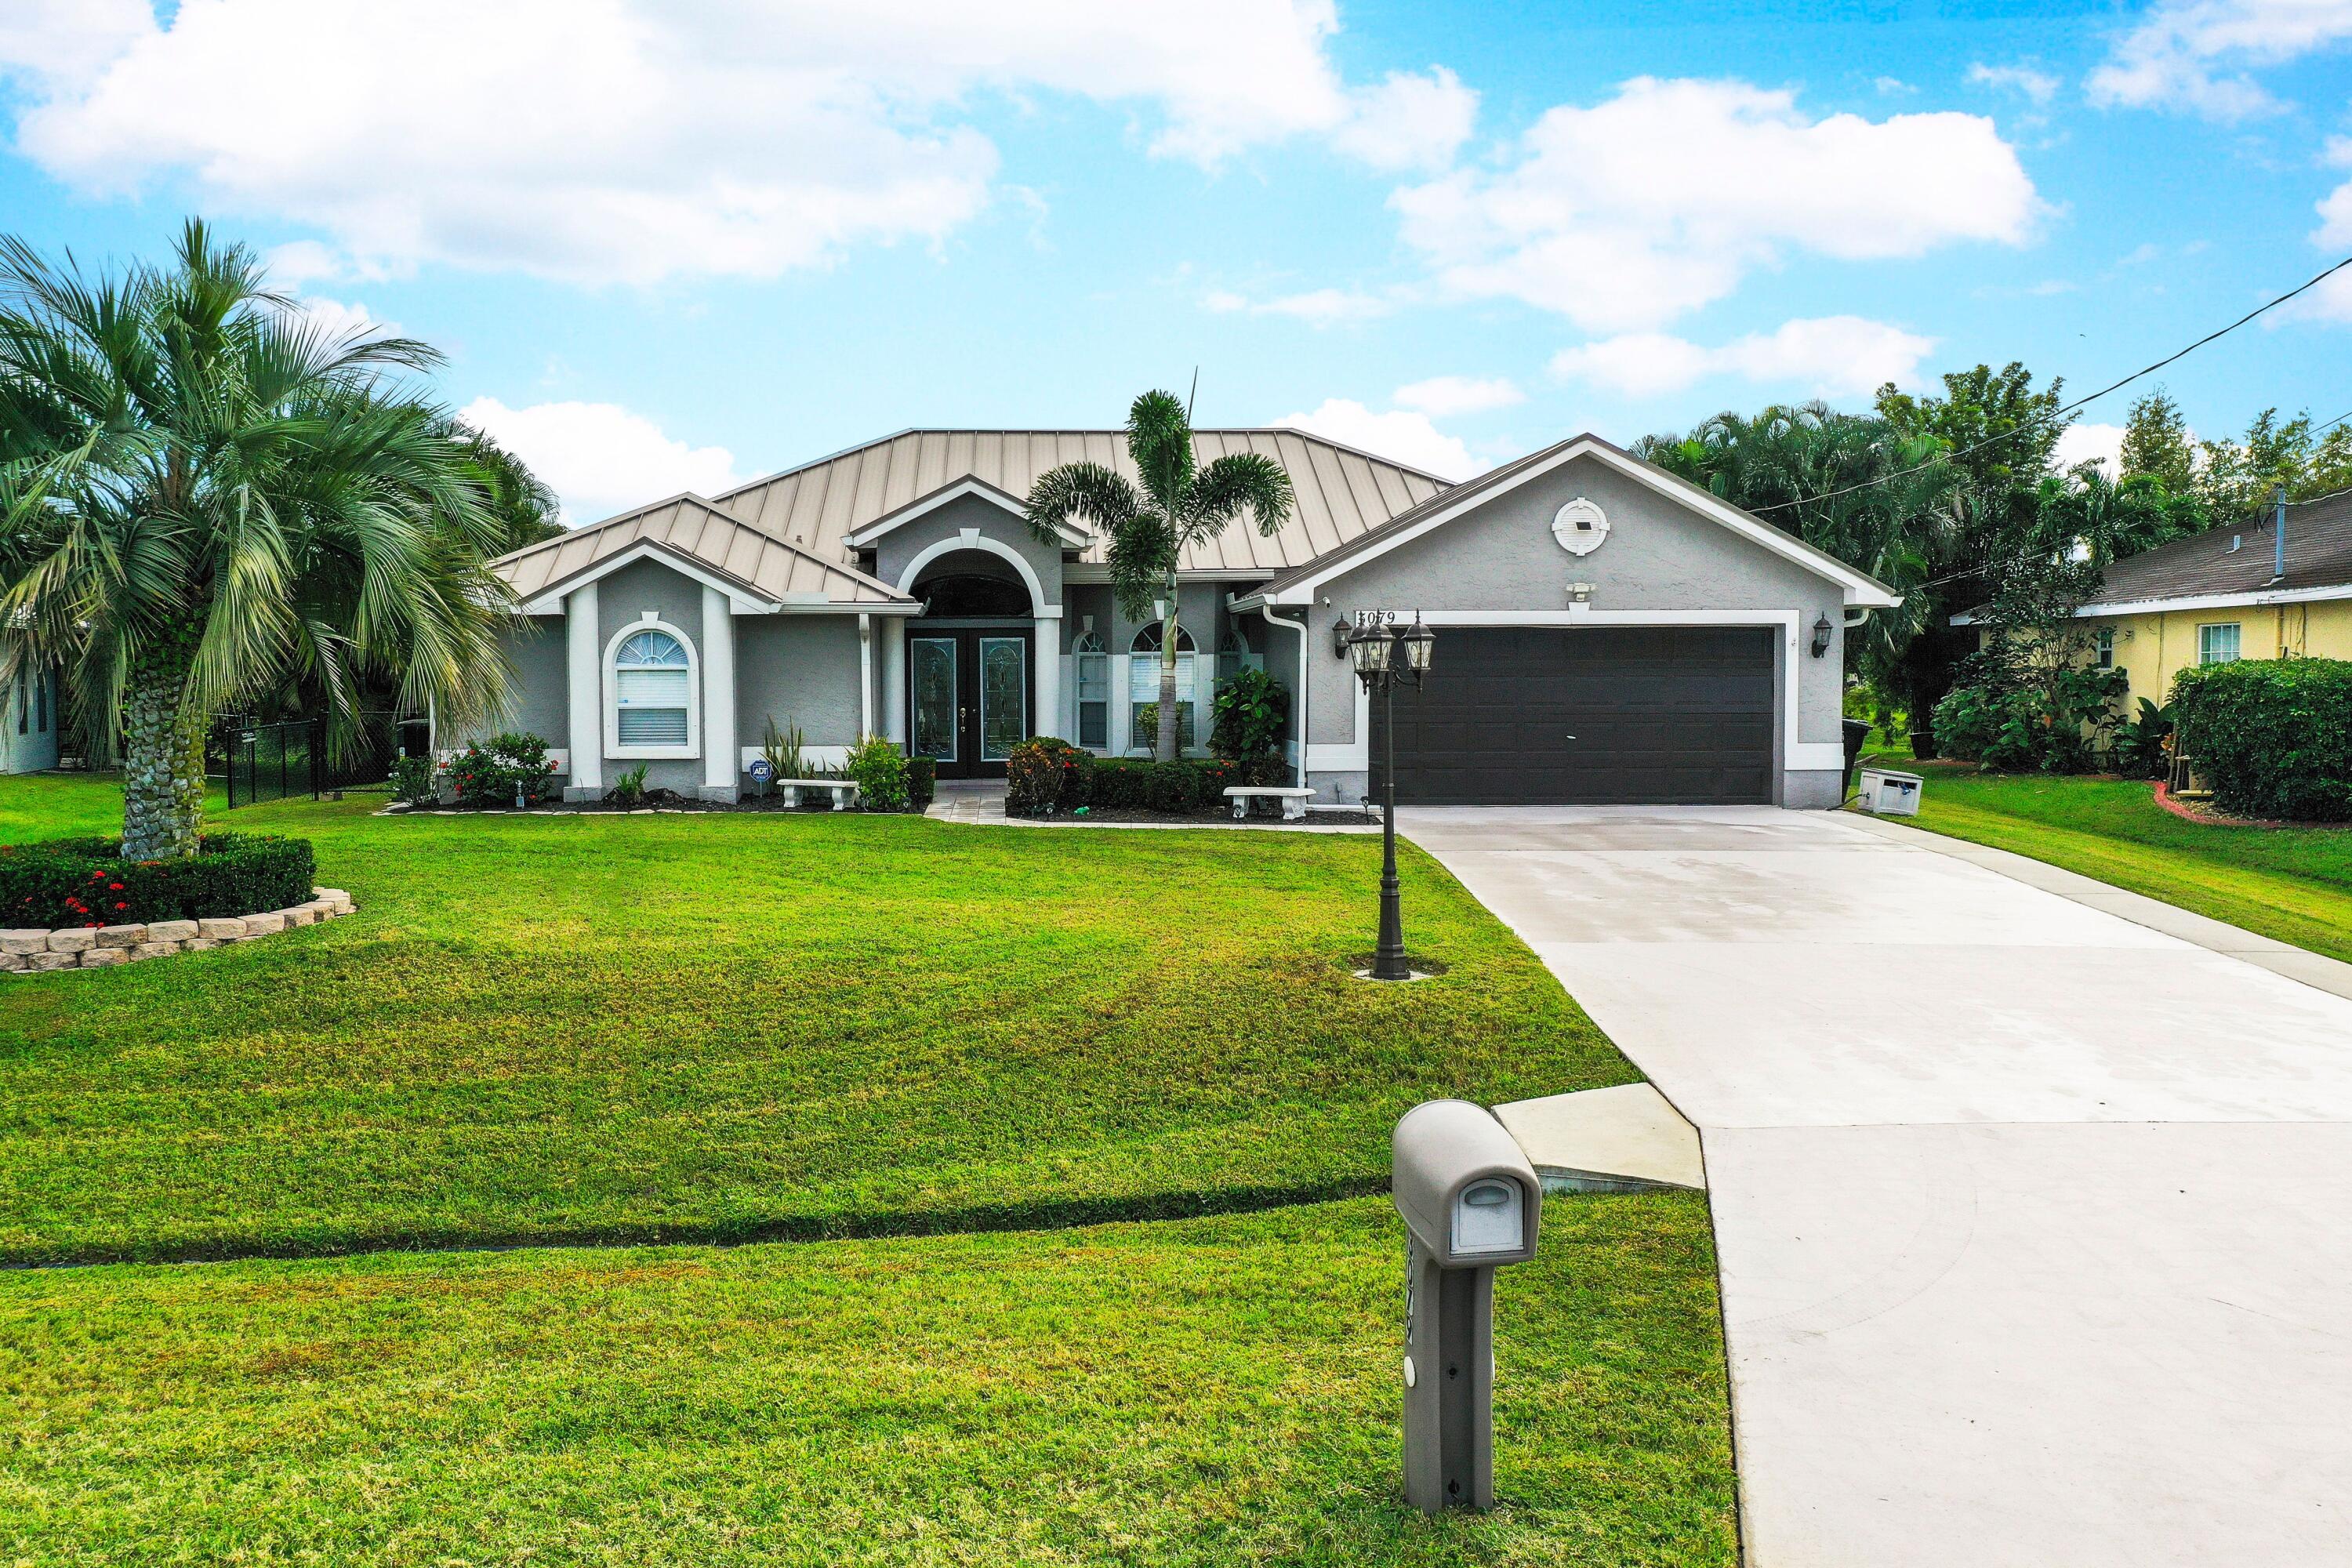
pixel 1797 756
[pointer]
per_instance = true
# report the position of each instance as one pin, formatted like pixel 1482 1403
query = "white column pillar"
pixel 1047 653
pixel 583 724
pixel 722 765
pixel 864 676
pixel 894 679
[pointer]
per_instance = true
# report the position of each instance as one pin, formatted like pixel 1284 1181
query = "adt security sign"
pixel 763 771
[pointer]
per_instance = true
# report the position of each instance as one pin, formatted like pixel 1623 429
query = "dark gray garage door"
pixel 1618 715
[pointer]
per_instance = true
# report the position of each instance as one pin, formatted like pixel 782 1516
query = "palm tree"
pixel 204 493
pixel 1149 525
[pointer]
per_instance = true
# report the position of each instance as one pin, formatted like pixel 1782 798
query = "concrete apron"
pixel 2030 1215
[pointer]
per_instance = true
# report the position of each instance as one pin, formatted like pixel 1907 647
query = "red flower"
pixel 114 886
pixel 123 906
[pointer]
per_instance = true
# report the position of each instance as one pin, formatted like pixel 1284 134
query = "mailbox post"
pixel 1470 1202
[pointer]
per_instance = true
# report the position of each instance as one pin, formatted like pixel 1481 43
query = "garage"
pixel 1587 716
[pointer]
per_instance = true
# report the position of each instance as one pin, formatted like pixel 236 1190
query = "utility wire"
pixel 2071 408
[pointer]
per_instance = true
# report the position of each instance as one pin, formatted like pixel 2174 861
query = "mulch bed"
pixel 655 800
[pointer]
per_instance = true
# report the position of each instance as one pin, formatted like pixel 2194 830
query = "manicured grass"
pixel 641 1028
pixel 1212 1391
pixel 2293 884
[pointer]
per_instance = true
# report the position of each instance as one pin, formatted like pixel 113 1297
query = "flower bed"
pixel 85 882
pixel 35 950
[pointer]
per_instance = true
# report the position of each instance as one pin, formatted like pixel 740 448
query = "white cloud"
pixel 1442 396
pixel 2037 85
pixel 1409 121
pixel 2195 54
pixel 639 141
pixel 1316 307
pixel 599 457
pixel 1399 436
pixel 2103 444
pixel 1892 86
pixel 1663 199
pixel 353 319
pixel 1826 356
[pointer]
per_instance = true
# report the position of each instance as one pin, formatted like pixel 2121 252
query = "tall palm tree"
pixel 203 492
pixel 1177 504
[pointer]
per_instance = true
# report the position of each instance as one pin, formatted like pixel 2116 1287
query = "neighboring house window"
pixel 2105 645
pixel 1094 692
pixel 2216 645
pixel 653 693
pixel 1143 683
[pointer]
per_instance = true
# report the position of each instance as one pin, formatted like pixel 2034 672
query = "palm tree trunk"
pixel 1165 747
pixel 163 756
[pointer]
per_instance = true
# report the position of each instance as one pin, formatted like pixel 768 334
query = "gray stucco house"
pixel 1606 632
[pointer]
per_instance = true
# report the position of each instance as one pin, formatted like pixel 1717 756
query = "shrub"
pixel 922 781
pixel 413 780
pixel 1147 726
pixel 879 772
pixel 627 789
pixel 85 882
pixel 1252 714
pixel 1046 776
pixel 496 772
pixel 2059 728
pixel 1181 788
pixel 2271 737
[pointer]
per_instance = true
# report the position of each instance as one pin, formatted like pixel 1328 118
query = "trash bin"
pixel 1857 734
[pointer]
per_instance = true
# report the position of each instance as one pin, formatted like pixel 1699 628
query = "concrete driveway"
pixel 2033 1198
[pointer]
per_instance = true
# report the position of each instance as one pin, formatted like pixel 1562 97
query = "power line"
pixel 2073 408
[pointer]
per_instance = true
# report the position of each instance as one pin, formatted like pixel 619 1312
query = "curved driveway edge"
pixel 2030 1207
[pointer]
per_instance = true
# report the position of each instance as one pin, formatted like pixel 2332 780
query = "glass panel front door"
pixel 1003 696
pixel 933 666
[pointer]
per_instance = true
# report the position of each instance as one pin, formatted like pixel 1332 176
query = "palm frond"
pixel 1236 483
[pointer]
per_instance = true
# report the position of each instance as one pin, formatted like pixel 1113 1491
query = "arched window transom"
pixel 652 710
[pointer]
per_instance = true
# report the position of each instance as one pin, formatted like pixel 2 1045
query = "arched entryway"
pixel 972 663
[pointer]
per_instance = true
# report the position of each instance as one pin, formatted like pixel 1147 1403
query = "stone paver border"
pixel 36 951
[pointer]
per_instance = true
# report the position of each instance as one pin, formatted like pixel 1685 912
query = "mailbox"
pixel 1471 1203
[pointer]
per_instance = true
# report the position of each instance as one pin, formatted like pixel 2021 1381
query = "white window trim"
pixel 2103 648
pixel 2236 653
pixel 651 622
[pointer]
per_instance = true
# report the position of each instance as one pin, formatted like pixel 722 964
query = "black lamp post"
pixel 1386 656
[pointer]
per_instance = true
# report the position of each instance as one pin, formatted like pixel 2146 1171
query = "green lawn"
pixel 689 1029
pixel 2293 884
pixel 1210 1392
pixel 632 1028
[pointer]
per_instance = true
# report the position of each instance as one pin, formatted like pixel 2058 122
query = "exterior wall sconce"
pixel 1341 630
pixel 1579 592
pixel 1822 629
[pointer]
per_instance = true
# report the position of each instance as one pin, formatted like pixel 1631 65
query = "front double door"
pixel 968 697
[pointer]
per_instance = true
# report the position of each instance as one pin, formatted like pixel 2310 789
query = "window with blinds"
pixel 1094 693
pixel 653 685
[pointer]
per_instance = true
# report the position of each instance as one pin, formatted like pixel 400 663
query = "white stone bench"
pixel 845 791
pixel 1294 800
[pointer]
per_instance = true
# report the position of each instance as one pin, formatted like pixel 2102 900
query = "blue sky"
pixel 667 246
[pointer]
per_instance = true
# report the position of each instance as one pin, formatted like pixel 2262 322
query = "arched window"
pixel 1094 691
pixel 654 711
pixel 1143 686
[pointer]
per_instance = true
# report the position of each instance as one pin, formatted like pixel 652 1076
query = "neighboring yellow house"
pixel 2229 593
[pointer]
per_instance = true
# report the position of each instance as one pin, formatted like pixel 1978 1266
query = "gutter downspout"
pixel 1298 626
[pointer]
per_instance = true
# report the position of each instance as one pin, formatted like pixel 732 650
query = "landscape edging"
pixel 33 950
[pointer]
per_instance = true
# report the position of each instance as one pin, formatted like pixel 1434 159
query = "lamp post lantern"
pixel 1386 656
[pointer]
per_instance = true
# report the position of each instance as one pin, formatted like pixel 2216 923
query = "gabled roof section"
pixel 1298 585
pixel 1342 493
pixel 2204 565
pixel 1073 536
pixel 757 570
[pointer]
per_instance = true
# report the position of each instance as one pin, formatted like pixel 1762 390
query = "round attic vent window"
pixel 1580 526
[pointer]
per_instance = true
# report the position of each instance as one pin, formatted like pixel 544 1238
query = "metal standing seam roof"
pixel 763 565
pixel 2318 555
pixel 1341 494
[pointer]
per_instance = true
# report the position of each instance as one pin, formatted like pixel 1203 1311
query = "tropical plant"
pixel 412 779
pixel 2142 747
pixel 627 789
pixel 781 748
pixel 204 491
pixel 879 770
pixel 1252 715
pixel 1173 504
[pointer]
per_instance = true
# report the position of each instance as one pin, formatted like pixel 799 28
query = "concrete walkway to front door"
pixel 2035 1221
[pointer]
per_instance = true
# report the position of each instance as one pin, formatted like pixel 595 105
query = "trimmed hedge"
pixel 2272 737
pixel 85 882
